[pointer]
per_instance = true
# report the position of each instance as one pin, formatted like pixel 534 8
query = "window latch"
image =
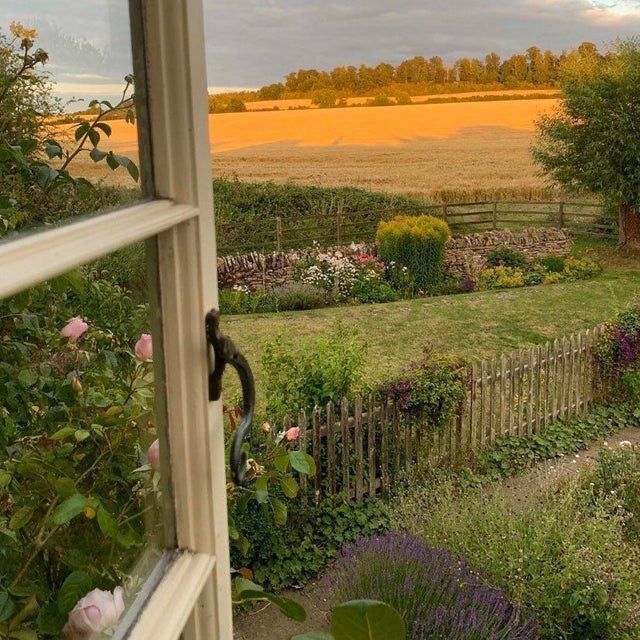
pixel 224 353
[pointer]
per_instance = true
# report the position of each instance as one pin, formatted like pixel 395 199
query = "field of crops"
pixel 479 147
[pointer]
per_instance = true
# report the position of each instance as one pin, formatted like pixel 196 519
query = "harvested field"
pixel 416 149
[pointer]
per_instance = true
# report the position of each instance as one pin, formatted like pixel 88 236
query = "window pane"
pixel 68 132
pixel 81 490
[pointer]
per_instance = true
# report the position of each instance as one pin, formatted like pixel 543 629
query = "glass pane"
pixel 81 492
pixel 68 133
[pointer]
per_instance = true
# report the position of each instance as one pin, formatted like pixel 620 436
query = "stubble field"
pixel 419 149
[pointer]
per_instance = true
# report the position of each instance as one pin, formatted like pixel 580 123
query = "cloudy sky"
pixel 255 42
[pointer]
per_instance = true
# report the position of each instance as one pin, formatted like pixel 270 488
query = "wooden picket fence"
pixel 364 447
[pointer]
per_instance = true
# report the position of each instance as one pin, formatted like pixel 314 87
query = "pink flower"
pixel 144 347
pixel 74 329
pixel 266 427
pixel 292 434
pixel 153 455
pixel 98 611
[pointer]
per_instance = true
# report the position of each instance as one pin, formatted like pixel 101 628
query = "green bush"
pixel 501 278
pixel 618 475
pixel 430 389
pixel 418 243
pixel 290 555
pixel 581 268
pixel 553 264
pixel 507 257
pixel 315 371
pixel 296 296
pixel 238 201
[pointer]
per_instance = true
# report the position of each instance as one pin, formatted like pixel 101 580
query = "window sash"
pixel 192 597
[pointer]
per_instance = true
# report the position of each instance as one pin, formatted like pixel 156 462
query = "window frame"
pixel 189 593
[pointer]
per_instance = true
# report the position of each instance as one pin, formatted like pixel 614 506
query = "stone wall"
pixel 465 256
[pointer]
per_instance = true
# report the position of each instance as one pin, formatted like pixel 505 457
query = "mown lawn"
pixel 472 325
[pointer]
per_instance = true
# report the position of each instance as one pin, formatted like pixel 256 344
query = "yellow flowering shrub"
pixel 417 243
pixel 501 278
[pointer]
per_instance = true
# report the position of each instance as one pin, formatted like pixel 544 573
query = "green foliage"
pixel 381 100
pixel 547 270
pixel 325 368
pixel 36 183
pixel 417 243
pixel 430 389
pixel 237 201
pixel 618 474
pixel 76 418
pixel 501 278
pixel 325 98
pixel 507 257
pixel 291 554
pixel 592 142
pixel 552 264
pixel 566 559
pixel 294 296
pixel 512 454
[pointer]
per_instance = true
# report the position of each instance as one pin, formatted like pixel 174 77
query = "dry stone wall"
pixel 465 256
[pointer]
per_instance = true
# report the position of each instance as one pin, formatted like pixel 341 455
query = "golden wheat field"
pixel 419 149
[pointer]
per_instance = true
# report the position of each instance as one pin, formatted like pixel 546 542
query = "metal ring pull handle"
pixel 225 352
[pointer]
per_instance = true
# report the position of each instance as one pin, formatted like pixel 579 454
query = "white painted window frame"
pixel 189 595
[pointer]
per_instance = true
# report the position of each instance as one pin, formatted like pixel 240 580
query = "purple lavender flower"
pixel 438 595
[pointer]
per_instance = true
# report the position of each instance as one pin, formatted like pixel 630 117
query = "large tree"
pixel 592 143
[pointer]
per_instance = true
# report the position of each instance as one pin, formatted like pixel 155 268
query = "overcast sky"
pixel 255 42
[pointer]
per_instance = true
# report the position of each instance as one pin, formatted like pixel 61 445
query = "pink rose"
pixel 144 347
pixel 74 329
pixel 98 611
pixel 292 434
pixel 153 455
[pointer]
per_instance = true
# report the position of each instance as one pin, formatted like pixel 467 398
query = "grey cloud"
pixel 255 42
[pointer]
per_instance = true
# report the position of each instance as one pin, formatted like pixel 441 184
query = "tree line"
pixel 534 68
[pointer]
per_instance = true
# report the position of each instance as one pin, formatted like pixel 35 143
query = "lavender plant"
pixel 437 594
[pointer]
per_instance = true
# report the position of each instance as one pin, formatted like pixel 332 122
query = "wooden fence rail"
pixel 341 227
pixel 363 447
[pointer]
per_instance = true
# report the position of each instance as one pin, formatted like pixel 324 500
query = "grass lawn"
pixel 472 325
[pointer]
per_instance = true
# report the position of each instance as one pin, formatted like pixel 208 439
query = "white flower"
pixel 625 444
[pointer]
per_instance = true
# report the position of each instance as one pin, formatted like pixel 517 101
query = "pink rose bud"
pixel 97 612
pixel 292 434
pixel 266 427
pixel 76 385
pixel 153 455
pixel 74 329
pixel 144 347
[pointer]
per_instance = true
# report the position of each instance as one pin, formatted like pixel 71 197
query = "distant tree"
pixel 384 74
pixel 381 100
pixel 325 98
pixel 593 142
pixel 491 68
pixel 437 72
pixel 271 91
pixel 235 105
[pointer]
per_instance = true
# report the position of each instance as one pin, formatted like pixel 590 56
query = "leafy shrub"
pixel 76 419
pixel 617 474
pixel 436 592
pixel 238 201
pixel 507 257
pixel 295 296
pixel 553 264
pixel 535 275
pixel 501 278
pixel 287 555
pixel 581 268
pixel 565 559
pixel 618 349
pixel 316 371
pixel 418 243
pixel 512 454
pixel 431 389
